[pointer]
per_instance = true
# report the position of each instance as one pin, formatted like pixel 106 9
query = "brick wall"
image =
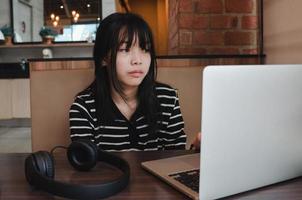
pixel 213 27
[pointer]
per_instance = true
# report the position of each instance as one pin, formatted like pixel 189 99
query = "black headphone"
pixel 82 155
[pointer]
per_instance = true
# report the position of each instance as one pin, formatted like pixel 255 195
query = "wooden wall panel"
pixel 6 99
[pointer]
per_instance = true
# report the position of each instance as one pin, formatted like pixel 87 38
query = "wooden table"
pixel 142 185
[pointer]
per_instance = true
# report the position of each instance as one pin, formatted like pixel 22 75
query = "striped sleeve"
pixel 80 120
pixel 175 137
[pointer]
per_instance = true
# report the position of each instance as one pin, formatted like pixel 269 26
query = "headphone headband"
pixel 78 191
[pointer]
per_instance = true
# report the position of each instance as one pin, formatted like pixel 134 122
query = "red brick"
pixel 185 20
pixel 200 22
pixel 209 6
pixel 173 41
pixel 250 51
pixel 240 38
pixel 224 51
pixel 173 10
pixel 249 22
pixel 186 6
pixel 223 22
pixel 239 6
pixel 208 38
pixel 185 37
pixel 192 51
pixel 189 21
pixel 172 51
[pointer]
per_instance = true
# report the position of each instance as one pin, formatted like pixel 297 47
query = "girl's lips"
pixel 135 73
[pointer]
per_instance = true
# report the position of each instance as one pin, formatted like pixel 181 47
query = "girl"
pixel 125 109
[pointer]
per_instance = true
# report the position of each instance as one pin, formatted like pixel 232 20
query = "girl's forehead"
pixel 132 36
pixel 133 40
pixel 125 35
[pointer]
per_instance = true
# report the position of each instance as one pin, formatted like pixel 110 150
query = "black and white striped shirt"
pixel 121 134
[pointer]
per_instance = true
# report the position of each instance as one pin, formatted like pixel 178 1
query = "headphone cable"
pixel 57 147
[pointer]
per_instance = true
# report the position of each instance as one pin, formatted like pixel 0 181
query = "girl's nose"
pixel 136 57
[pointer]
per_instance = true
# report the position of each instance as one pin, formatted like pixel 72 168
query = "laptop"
pixel 251 132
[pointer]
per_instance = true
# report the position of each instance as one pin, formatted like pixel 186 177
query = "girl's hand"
pixel 196 142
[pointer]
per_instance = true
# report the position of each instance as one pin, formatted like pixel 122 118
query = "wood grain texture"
pixel 61 65
pixel 142 185
pixel 162 62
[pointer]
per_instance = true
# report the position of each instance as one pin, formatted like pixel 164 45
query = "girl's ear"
pixel 104 62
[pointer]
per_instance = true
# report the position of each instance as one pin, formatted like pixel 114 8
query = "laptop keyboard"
pixel 188 178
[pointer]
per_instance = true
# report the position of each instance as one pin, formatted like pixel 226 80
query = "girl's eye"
pixel 123 50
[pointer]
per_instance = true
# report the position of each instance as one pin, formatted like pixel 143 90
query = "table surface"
pixel 142 185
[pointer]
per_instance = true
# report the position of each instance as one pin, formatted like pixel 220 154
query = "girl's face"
pixel 132 64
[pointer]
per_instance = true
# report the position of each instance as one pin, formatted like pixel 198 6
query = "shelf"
pixel 46 45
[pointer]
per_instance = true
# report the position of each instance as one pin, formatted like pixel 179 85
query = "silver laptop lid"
pixel 251 127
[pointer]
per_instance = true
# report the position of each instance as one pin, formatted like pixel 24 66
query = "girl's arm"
pixel 175 135
pixel 81 121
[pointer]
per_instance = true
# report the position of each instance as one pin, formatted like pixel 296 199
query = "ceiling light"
pixel 52 16
pixel 55 23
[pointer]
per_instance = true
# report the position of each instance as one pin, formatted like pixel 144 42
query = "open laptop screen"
pixel 252 127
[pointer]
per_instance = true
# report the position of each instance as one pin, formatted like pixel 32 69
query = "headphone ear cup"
pixel 82 154
pixel 45 163
pixel 29 169
pixel 41 162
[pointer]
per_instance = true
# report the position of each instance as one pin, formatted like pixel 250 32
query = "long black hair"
pixel 114 30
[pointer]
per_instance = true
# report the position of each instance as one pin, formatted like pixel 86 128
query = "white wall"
pixel 108 7
pixel 38 18
pixel 5 12
pixel 283 31
pixel 34 9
